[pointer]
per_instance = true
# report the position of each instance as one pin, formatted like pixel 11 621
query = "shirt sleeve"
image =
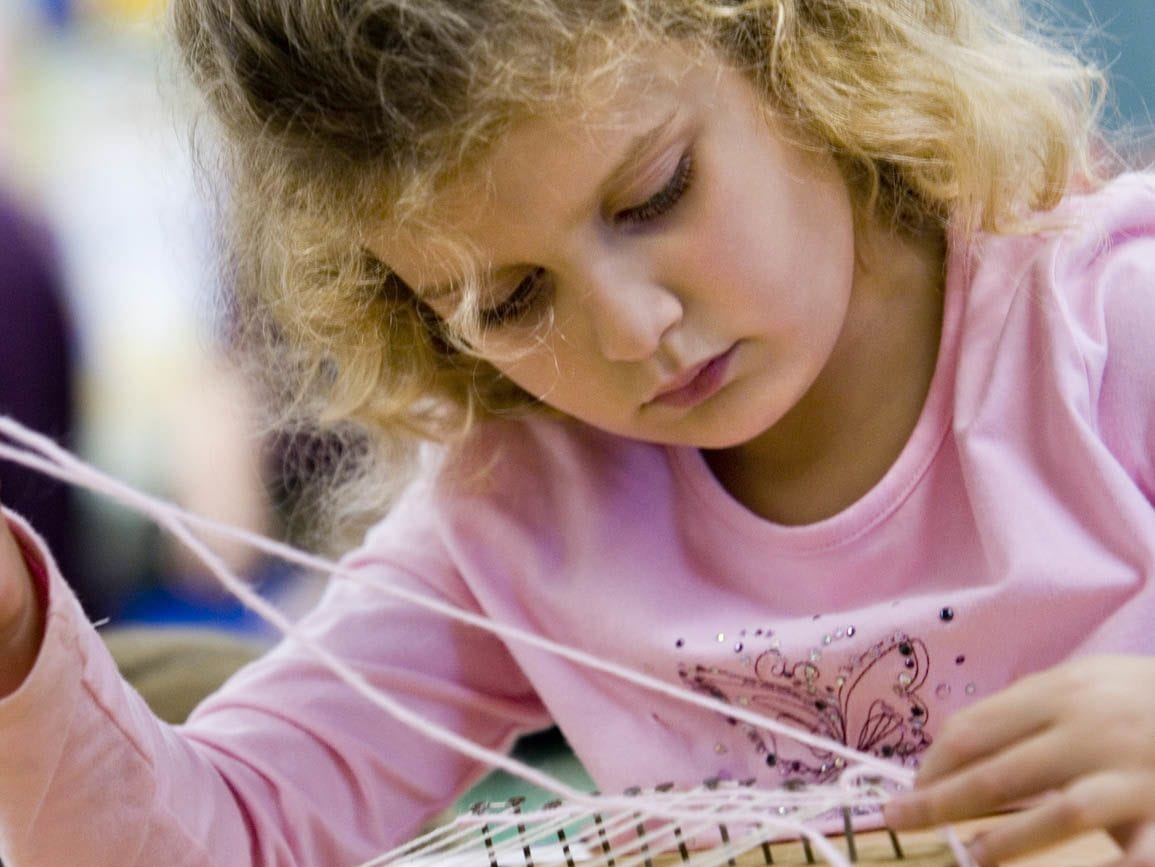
pixel 286 765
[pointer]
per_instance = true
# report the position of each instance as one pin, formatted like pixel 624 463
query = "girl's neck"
pixel 850 427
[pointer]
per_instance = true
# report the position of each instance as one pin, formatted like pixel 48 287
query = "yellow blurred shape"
pixel 124 10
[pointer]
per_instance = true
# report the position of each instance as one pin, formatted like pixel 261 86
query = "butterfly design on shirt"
pixel 872 703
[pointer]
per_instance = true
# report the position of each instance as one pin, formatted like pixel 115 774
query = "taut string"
pixel 40 453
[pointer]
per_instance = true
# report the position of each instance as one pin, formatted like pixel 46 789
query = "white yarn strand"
pixel 63 465
pixel 774 812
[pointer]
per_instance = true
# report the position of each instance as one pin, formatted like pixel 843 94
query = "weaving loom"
pixel 718 823
pixel 498 836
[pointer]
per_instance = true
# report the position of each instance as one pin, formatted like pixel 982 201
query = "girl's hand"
pixel 21 617
pixel 1081 736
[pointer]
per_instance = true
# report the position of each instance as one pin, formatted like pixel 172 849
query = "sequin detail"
pixel 872 703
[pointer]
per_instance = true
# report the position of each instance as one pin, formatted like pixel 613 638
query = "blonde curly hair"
pixel 340 116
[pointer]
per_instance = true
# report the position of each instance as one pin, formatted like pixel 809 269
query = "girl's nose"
pixel 629 312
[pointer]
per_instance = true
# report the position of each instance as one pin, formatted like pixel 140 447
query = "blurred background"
pixel 109 339
pixel 103 216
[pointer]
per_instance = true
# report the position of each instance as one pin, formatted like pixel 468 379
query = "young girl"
pixel 794 351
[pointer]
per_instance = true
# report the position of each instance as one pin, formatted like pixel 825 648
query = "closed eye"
pixel 529 293
pixel 661 202
pixel 519 303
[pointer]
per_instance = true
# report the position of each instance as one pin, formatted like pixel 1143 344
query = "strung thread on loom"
pixel 740 819
pixel 857 786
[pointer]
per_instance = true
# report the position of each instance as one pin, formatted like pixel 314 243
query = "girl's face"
pixel 667 266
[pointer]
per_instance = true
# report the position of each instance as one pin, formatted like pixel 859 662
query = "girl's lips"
pixel 697 384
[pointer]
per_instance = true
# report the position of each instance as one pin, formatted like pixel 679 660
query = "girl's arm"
pixel 286 766
pixel 90 776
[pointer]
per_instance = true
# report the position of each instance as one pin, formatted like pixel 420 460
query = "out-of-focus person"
pixel 37 383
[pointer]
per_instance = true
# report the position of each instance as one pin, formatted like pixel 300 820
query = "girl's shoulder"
pixel 543 480
pixel 1066 251
pixel 540 458
pixel 1070 302
pixel 1103 244
pixel 1126 200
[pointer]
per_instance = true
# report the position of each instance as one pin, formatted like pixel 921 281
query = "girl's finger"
pixel 990 725
pixel 1091 803
pixel 1007 717
pixel 1039 764
pixel 12 570
pixel 21 620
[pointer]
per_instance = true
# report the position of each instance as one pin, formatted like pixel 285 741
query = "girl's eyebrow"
pixel 633 154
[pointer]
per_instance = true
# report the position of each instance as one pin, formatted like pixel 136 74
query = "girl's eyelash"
pixel 518 303
pixel 664 199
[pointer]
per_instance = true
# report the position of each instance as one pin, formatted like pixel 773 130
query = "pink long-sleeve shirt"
pixel 1015 530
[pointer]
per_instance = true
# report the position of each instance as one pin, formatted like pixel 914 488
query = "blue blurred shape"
pixel 58 13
